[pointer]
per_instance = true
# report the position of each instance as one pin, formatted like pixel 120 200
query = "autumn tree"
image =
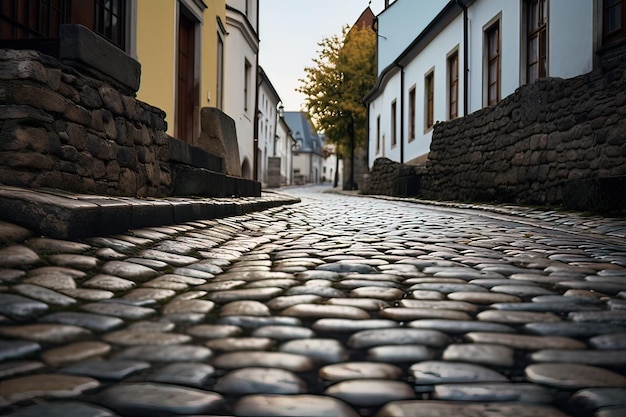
pixel 344 72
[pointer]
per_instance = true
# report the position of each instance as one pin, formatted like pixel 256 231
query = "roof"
pixel 445 16
pixel 366 19
pixel 302 132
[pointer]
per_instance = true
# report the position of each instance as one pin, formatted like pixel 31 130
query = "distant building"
pixel 469 54
pixel 240 78
pixel 275 142
pixel 308 158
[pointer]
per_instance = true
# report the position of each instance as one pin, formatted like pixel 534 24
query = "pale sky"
pixel 290 30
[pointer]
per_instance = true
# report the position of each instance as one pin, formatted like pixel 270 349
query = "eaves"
pixel 239 21
pixel 434 28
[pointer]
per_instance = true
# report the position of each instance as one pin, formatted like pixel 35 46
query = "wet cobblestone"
pixel 338 306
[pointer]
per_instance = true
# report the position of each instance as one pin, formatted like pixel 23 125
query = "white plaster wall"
pixel 267 104
pixel 433 57
pixel 382 107
pixel 236 51
pixel 400 24
pixel 481 13
pixel 571 38
pixel 253 10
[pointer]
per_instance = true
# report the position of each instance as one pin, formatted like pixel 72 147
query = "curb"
pixel 63 215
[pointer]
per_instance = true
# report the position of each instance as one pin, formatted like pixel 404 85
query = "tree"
pixel 344 72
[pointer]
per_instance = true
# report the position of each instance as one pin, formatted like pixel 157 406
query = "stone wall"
pixel 392 178
pixel 539 144
pixel 62 129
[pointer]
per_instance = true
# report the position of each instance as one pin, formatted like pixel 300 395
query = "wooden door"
pixel 185 94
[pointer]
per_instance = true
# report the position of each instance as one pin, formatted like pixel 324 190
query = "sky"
pixel 289 33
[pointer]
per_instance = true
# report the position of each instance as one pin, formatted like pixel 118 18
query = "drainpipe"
pixel 465 56
pixel 401 113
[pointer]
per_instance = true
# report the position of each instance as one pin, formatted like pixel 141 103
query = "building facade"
pixel 471 55
pixel 275 140
pixel 240 79
pixel 308 156
pixel 183 61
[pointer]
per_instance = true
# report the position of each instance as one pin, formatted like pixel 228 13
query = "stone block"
pixel 218 136
pixel 184 153
pixel 82 48
pixel 605 194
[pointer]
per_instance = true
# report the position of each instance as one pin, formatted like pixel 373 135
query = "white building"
pixel 285 143
pixel 275 140
pixel 507 44
pixel 307 153
pixel 240 77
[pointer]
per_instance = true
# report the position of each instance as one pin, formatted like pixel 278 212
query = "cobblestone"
pixel 338 306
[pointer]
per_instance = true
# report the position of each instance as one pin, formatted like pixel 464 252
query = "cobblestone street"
pixel 336 306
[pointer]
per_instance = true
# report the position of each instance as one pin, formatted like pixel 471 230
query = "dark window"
pixel 537 51
pixel 493 63
pixel 429 98
pixel 186 89
pixel 29 19
pixel 220 72
pixel 110 21
pixel 378 135
pixel 614 17
pixel 40 20
pixel 394 123
pixel 453 86
pixel 246 85
pixel 412 114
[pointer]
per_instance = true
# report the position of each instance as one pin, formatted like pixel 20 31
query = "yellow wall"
pixel 156 51
pixel 156 48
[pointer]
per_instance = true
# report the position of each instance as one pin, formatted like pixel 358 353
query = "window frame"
pixel 618 33
pixel 378 135
pixel 394 123
pixel 539 32
pixel 453 84
pixel 429 100
pixel 492 60
pixel 247 72
pixel 412 113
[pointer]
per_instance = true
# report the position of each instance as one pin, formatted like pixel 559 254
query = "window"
pixel 377 135
pixel 492 38
pixel 429 100
pixel 246 85
pixel 453 86
pixel 110 19
pixel 219 88
pixel 27 19
pixel 36 19
pixel 537 55
pixel 412 114
pixel 614 17
pixel 394 124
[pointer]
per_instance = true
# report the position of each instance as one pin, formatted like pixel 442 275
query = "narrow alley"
pixel 339 305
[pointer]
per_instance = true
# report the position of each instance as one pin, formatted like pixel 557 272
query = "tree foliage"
pixel 344 72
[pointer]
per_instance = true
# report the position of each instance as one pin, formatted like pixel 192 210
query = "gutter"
pixel 463 7
pixel 401 113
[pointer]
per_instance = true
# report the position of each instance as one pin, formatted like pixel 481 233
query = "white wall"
pixel 238 49
pixel 433 58
pixel 381 106
pixel 268 105
pixel 480 14
pixel 571 51
pixel 252 8
pixel 400 24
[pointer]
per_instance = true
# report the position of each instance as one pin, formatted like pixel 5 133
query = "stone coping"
pixel 64 215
